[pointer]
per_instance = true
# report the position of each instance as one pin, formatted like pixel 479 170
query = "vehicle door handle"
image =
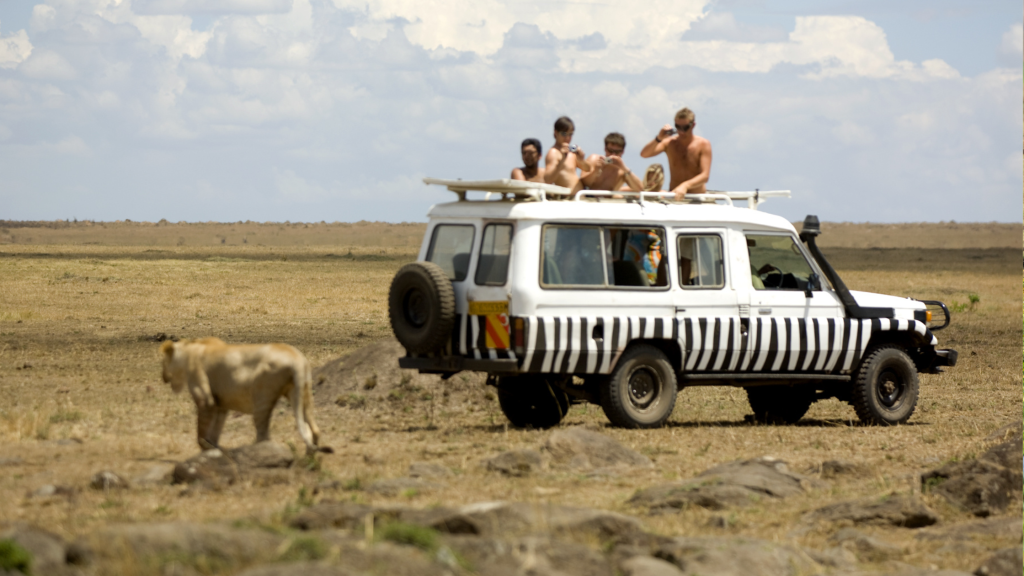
pixel 764 311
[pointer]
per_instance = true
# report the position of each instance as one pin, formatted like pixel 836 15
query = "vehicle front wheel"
pixel 532 400
pixel 886 386
pixel 641 392
pixel 779 404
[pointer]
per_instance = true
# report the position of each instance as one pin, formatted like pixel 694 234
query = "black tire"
pixel 532 400
pixel 421 306
pixel 779 404
pixel 886 386
pixel 641 392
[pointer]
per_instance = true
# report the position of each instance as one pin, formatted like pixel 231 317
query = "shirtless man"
pixel 560 165
pixel 689 156
pixel 609 172
pixel 530 149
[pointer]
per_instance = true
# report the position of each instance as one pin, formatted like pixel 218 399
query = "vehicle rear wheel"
pixel 779 404
pixel 886 386
pixel 532 400
pixel 421 306
pixel 641 392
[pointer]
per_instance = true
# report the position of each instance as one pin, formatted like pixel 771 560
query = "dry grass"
pixel 75 363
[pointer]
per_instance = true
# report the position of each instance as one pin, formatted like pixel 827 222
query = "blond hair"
pixel 654 177
pixel 686 115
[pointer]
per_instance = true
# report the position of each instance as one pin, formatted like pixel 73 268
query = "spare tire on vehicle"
pixel 421 305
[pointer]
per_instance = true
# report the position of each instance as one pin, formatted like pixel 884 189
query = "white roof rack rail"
pixel 536 191
pixel 517 188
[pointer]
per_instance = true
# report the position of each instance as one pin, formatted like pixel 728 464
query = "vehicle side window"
pixel 635 257
pixel 450 248
pixel 492 268
pixel 776 263
pixel 572 256
pixel 701 264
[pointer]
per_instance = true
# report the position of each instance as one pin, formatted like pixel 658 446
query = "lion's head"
pixel 174 365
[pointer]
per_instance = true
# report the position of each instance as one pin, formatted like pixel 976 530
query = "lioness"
pixel 246 378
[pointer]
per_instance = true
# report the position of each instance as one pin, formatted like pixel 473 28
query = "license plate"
pixel 485 308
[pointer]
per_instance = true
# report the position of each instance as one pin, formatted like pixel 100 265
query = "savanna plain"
pixel 84 305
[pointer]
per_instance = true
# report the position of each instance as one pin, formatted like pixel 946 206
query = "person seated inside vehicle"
pixel 643 248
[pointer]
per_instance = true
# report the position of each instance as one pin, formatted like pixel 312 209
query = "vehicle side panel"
pixel 566 344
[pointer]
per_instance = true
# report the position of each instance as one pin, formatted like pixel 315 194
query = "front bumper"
pixel 452 364
pixel 945 357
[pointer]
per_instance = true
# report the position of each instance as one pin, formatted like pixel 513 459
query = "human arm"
pixel 701 178
pixel 660 142
pixel 629 180
pixel 589 177
pixel 581 162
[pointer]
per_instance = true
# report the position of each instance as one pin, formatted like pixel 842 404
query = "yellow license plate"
pixel 485 308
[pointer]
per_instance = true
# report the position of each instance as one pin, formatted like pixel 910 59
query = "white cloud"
pixel 14 49
pixel 1013 41
pixel 47 65
pixel 171 7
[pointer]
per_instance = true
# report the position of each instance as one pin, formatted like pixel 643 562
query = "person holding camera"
pixel 609 172
pixel 689 156
pixel 564 158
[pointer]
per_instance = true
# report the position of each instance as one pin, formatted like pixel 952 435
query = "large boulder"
pixel 582 449
pixel 737 483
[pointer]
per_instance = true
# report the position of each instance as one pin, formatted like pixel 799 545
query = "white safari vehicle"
pixel 623 300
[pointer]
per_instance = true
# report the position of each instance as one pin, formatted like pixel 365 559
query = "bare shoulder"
pixel 702 143
pixel 553 155
pixel 517 174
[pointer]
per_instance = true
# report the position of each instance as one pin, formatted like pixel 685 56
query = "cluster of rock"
pixel 347 538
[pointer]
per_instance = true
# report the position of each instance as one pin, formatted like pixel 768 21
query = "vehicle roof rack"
pixel 521 190
pixel 518 189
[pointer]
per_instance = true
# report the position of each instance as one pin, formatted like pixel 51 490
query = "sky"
pixel 335 110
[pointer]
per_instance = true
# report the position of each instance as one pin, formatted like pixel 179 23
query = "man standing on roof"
pixel 609 172
pixel 689 156
pixel 530 149
pixel 563 158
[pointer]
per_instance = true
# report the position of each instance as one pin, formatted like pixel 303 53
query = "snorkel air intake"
pixel 811 230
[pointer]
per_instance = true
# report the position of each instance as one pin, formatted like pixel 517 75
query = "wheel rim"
pixel 643 389
pixel 416 308
pixel 890 389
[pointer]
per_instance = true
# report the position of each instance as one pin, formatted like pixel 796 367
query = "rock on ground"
pixel 987 485
pixel 261 461
pixel 1006 562
pixel 737 483
pixel 1007 530
pixel 428 470
pixel 730 556
pixel 649 566
pixel 51 555
pixel 895 510
pixel 516 463
pixel 107 480
pixel 530 555
pixel 864 547
pixel 582 449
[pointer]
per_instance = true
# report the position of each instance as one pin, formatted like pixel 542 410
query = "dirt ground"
pixel 82 306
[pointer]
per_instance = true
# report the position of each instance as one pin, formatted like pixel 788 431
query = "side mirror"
pixel 813 283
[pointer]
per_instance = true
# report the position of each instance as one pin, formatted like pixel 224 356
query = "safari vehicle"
pixel 624 299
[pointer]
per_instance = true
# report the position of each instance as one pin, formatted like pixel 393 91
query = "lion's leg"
pixel 263 403
pixel 217 426
pixel 205 418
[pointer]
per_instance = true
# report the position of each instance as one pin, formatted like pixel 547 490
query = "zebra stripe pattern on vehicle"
pixel 565 344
